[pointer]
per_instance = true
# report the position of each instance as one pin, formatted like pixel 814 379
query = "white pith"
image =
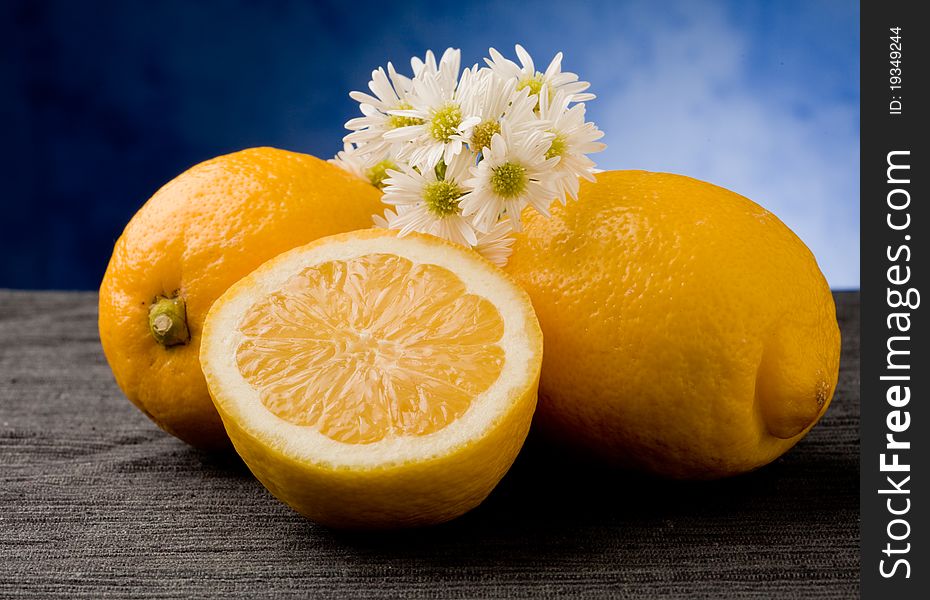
pixel 241 402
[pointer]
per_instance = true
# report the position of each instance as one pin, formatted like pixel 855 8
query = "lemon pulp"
pixel 371 347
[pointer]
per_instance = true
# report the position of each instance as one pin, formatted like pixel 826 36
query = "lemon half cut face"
pixel 366 354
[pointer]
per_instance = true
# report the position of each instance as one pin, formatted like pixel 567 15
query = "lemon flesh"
pixel 371 347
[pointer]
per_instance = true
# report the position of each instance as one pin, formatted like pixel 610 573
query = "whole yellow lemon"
pixel 688 332
pixel 199 234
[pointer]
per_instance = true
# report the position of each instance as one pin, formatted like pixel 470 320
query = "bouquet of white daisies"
pixel 460 153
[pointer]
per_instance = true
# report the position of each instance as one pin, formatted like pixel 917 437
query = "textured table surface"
pixel 96 502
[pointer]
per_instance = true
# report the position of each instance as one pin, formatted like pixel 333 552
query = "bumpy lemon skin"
pixel 689 333
pixel 197 235
pixel 392 496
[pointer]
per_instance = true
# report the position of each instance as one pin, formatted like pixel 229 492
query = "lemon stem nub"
pixel 168 321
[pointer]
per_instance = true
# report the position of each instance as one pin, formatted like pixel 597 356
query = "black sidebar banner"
pixel 895 363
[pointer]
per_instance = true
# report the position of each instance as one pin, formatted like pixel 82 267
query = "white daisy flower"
pixel 388 220
pixel 496 100
pixel 551 81
pixel 574 140
pixel 384 222
pixel 348 159
pixel 371 167
pixel 513 172
pixel 497 244
pixel 427 200
pixel 460 156
pixel 439 121
pixel 390 93
pixel 447 70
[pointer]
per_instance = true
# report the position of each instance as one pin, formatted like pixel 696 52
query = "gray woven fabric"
pixel 96 502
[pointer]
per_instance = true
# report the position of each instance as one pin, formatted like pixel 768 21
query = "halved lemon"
pixel 375 381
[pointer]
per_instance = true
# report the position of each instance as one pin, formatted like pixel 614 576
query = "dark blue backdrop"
pixel 103 102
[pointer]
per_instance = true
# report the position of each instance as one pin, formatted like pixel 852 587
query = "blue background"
pixel 103 102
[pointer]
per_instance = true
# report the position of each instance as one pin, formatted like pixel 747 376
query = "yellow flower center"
pixel 508 180
pixel 444 122
pixel 377 173
pixel 396 121
pixel 442 198
pixel 482 134
pixel 535 83
pixel 558 147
